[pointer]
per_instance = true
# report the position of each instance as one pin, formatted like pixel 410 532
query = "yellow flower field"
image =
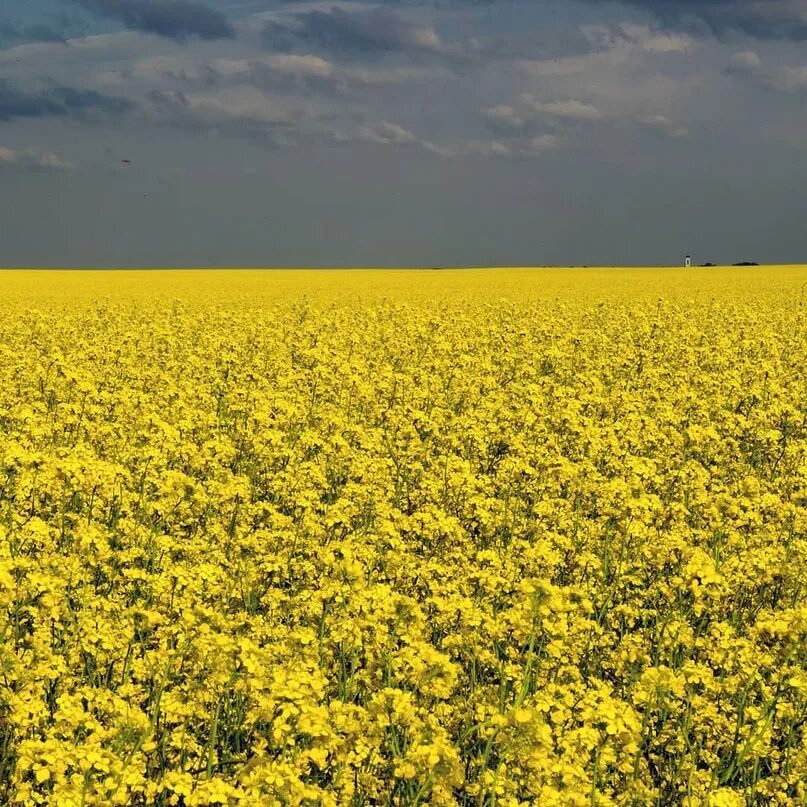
pixel 476 537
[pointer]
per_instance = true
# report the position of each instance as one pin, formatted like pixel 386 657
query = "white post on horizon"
pixel 688 262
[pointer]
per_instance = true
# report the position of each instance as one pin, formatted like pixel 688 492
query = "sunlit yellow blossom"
pixel 403 538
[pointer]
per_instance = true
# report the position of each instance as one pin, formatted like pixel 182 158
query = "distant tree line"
pixel 741 263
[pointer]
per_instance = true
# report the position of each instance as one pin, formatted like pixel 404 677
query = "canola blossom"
pixel 482 537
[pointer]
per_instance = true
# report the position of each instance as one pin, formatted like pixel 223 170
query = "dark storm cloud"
pixel 764 19
pixel 60 101
pixel 30 33
pixel 361 32
pixel 174 19
pixel 42 33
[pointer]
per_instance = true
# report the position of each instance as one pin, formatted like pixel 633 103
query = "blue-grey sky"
pixel 394 133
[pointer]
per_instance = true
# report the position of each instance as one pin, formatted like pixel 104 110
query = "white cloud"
pixel 639 37
pixel 527 113
pixel 664 126
pixel 544 142
pixel 570 109
pixel 505 118
pixel 392 134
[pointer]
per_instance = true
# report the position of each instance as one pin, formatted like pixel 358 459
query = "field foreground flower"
pixel 357 538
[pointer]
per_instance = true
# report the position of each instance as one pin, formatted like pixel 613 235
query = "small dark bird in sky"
pixel 126 162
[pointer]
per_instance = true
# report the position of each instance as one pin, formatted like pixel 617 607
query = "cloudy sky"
pixel 394 133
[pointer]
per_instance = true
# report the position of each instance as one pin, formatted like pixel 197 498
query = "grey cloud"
pixel 531 127
pixel 294 74
pixel 305 73
pixel 31 160
pixel 640 37
pixel 60 101
pixel 518 124
pixel 493 148
pixel 287 73
pixel 748 67
pixel 355 32
pixel 543 142
pixel 267 126
pixel 521 124
pixel 174 19
pixel 790 79
pixel 764 19
pixel 388 133
pixel 249 115
pixel 42 33
pixel 743 63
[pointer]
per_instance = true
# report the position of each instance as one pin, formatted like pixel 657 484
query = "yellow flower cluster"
pixel 365 538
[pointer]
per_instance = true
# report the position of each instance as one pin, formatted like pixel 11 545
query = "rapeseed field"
pixel 482 537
